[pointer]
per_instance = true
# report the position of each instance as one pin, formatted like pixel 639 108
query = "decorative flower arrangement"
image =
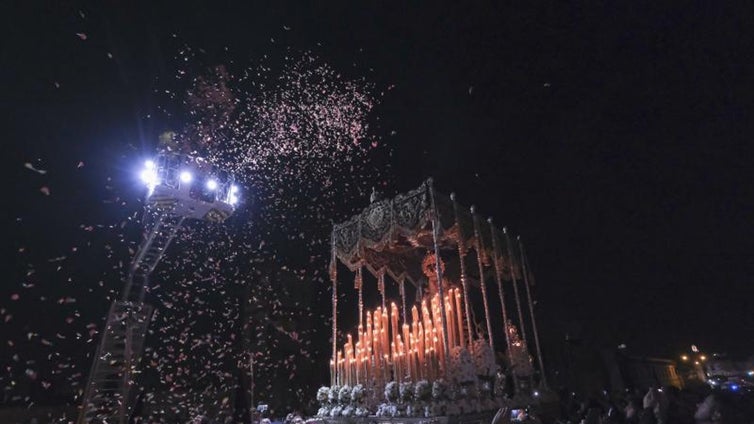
pixel 348 411
pixel 439 389
pixel 336 411
pixel 406 392
pixel 500 385
pixel 332 396
pixel 423 391
pixel 463 392
pixel 361 412
pixel 461 366
pixel 451 393
pixel 387 410
pixel 323 395
pixel 358 393
pixel 484 358
pixel 485 389
pixel 323 411
pixel 391 391
pixel 344 395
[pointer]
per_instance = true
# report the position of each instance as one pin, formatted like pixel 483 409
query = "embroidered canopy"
pixel 392 236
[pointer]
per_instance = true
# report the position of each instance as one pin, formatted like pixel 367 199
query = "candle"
pixel 385 371
pixel 397 360
pixel 459 318
pixel 369 335
pixel 340 368
pixel 346 368
pixel 384 332
pixel 450 322
pixel 394 330
pixel 364 370
pixel 377 339
pixel 357 361
pixel 421 346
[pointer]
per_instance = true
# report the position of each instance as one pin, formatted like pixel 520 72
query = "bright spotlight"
pixel 186 177
pixel 149 177
pixel 212 184
pixel 149 164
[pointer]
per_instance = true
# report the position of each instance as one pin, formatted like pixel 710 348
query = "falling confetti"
pixel 28 165
pixel 300 138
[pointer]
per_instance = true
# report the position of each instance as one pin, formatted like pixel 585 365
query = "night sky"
pixel 616 139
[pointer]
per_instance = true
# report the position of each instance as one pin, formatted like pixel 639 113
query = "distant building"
pixel 719 366
pixel 586 369
pixel 644 372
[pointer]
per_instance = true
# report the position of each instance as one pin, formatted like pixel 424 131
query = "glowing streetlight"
pixel 684 358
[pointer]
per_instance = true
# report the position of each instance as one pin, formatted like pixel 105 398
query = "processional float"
pixel 180 187
pixel 430 343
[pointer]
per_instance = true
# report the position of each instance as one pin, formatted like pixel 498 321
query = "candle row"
pixel 386 350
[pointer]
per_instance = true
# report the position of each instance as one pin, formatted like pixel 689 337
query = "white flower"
pixel 439 389
pixel 484 358
pixel 461 366
pixel 486 388
pixel 452 392
pixel 394 412
pixel 323 394
pixel 348 411
pixel 335 411
pixel 344 396
pixel 332 397
pixel 422 390
pixel 406 391
pixel 391 391
pixel 358 392
pixel 387 410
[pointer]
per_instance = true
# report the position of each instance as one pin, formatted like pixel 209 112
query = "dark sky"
pixel 615 138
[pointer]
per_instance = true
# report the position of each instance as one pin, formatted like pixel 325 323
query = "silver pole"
pixel 438 271
pixel 464 282
pixel 531 311
pixel 334 278
pixel 515 285
pixel 479 253
pixel 499 280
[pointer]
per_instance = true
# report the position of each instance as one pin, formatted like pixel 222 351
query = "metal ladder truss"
pixel 109 396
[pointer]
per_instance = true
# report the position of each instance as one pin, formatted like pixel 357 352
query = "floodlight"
pixel 186 177
pixel 149 177
pixel 211 184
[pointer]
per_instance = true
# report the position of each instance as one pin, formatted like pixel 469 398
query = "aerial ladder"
pixel 180 187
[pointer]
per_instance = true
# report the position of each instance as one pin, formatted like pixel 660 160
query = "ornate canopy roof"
pixel 392 236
